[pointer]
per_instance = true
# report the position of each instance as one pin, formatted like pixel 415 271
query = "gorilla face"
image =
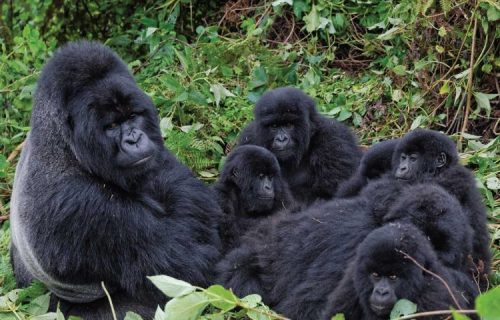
pixel 284 125
pixel 114 129
pixel 383 274
pixel 255 174
pixel 422 154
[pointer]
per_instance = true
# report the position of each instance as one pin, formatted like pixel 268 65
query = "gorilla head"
pixel 383 273
pixel 285 118
pixel 253 174
pixel 423 153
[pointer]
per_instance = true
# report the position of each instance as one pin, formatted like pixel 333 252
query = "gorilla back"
pixel 97 197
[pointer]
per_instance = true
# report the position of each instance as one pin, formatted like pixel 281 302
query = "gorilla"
pixel 440 217
pixel 295 261
pixel 250 187
pixel 376 162
pixel 98 198
pixel 382 273
pixel 429 156
pixel 315 153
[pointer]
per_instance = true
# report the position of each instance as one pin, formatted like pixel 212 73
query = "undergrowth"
pixel 383 67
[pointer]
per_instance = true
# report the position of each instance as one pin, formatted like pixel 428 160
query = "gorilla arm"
pixel 334 157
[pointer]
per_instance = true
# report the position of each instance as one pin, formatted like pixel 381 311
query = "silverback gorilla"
pixel 98 198
pixel 315 153
pixel 382 273
pixel 249 189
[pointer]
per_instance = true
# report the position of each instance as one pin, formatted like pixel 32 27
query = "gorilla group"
pixel 315 153
pixel 298 214
pixel 98 198
pixel 313 247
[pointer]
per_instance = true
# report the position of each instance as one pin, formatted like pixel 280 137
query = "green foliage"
pixel 403 308
pixel 381 66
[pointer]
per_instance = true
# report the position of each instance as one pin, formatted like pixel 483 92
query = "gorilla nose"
pixel 132 137
pixel 382 292
pixel 282 138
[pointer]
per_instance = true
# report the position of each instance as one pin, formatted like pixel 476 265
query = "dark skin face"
pixel 134 146
pixel 413 165
pixel 282 133
pixel 383 296
pixel 262 184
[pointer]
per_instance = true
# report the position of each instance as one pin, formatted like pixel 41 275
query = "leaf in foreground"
pixel 188 307
pixel 403 308
pixel 222 298
pixel 488 304
pixel 171 287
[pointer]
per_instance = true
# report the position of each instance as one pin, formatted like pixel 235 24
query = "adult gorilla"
pixel 98 198
pixel 382 273
pixel 250 188
pixel 314 152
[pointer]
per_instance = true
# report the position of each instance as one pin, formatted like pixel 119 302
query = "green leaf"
pixel 493 183
pixel 220 93
pixel 132 316
pixel 259 78
pixel 439 48
pixel 403 308
pixel 417 122
pixel 389 34
pixel 282 2
pixel 445 88
pixel 171 287
pixel 159 314
pixel 338 316
pixel 150 31
pixel 47 316
pixel 400 70
pixel 221 298
pixel 483 100
pixel 312 19
pixel 252 300
pixel 459 316
pixel 442 32
pixel 188 307
pixel 254 315
pixel 492 13
pixel 488 304
pixel 344 115
pixel 39 305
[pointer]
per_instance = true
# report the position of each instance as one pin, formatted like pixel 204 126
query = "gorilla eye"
pixel 413 157
pixel 132 115
pixel 393 277
pixel 403 156
pixel 289 125
pixel 274 125
pixel 375 275
pixel 111 126
pixel 261 176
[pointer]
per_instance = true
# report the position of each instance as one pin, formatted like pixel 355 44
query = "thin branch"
pixel 109 300
pixel 435 313
pixel 469 85
pixel 434 275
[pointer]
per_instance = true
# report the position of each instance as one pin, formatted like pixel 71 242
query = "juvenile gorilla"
pixel 382 273
pixel 440 217
pixel 250 188
pixel 295 261
pixel 429 156
pixel 97 197
pixel 315 153
pixel 375 163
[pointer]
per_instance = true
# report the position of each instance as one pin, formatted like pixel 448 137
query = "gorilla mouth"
pixel 380 310
pixel 141 161
pixel 266 197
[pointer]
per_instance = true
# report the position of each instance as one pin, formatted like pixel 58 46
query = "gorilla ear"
pixel 441 160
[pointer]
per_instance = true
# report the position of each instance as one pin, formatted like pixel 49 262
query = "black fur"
pixel 81 215
pixel 384 254
pixel 322 152
pixel 376 162
pixel 238 194
pixel 455 179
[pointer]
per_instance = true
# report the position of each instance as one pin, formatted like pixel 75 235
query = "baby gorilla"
pixel 315 153
pixel 382 273
pixel 250 188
